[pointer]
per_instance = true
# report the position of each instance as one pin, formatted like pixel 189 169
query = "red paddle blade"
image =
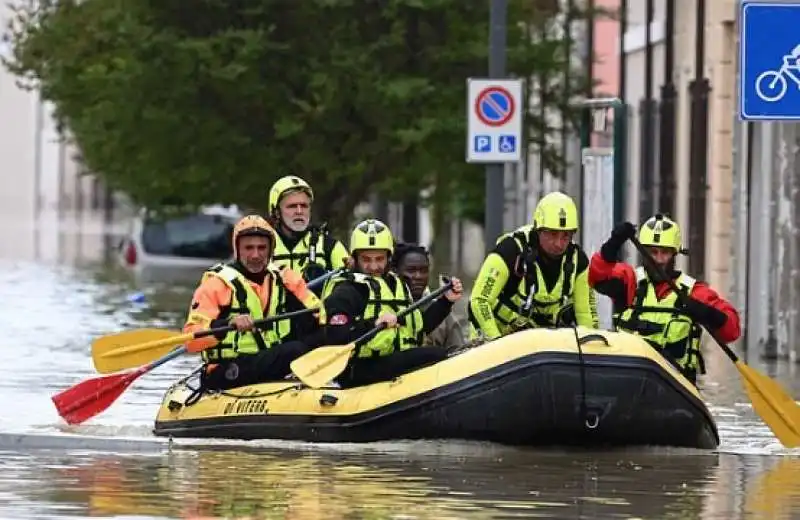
pixel 88 398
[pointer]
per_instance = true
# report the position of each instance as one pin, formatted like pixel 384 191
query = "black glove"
pixel 704 314
pixel 621 232
pixel 312 271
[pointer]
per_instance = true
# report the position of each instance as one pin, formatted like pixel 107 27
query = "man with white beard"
pixel 301 246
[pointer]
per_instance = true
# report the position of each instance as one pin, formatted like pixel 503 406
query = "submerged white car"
pixel 194 240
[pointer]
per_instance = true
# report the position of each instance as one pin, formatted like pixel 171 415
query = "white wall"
pixel 40 183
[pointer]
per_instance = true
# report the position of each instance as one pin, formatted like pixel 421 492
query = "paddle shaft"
pixel 89 398
pixel 258 323
pixel 682 296
pixel 182 349
pixel 411 308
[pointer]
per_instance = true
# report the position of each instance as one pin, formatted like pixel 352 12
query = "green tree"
pixel 212 100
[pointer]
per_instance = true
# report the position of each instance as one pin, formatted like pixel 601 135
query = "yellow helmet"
pixel 661 231
pixel 249 226
pixel 371 234
pixel 284 186
pixel 556 211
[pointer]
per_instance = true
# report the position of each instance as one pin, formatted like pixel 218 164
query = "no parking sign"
pixel 494 120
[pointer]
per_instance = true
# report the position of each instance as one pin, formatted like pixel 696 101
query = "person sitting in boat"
pixel 535 276
pixel 412 262
pixel 371 294
pixel 299 245
pixel 645 305
pixel 241 292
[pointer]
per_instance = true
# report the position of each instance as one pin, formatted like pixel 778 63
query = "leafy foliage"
pixel 212 100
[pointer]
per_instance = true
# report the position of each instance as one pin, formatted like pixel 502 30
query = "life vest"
pixel 244 300
pixel 380 300
pixel 529 304
pixel 662 324
pixel 299 256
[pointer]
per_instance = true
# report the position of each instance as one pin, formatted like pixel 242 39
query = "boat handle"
pixel 592 420
pixel 593 337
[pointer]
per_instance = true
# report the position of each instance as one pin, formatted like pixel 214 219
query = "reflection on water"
pixel 274 484
pixel 489 482
pixel 67 290
pixel 776 493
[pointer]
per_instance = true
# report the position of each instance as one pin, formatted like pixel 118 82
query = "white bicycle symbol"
pixel 775 80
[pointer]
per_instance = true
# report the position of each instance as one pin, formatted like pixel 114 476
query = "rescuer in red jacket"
pixel 645 305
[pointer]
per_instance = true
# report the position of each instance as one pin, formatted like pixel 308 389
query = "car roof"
pixel 231 212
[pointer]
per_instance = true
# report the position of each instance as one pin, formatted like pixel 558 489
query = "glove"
pixel 704 314
pixel 623 231
pixel 313 271
pixel 619 235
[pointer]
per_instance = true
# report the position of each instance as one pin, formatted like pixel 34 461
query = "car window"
pixel 192 236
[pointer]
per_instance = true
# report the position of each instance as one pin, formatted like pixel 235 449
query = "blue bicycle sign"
pixel 771 85
pixel 769 60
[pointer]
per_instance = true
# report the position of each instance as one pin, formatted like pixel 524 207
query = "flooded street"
pixel 61 297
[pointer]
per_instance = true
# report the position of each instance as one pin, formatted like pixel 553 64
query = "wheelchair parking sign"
pixel 494 120
pixel 769 53
pixel 507 143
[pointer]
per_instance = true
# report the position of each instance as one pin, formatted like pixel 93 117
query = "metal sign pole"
pixel 602 183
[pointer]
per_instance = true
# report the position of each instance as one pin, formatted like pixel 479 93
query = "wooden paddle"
pixel 771 402
pixel 134 348
pixel 316 368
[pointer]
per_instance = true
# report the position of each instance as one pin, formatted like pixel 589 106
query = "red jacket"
pixel 617 280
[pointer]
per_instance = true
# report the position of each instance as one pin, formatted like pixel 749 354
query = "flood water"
pixel 63 292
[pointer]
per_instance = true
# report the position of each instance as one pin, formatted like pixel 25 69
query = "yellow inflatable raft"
pixel 536 387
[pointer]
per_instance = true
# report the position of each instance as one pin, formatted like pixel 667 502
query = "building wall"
pixel 606 51
pixel 721 71
pixel 719 68
pixel 635 90
pixel 43 192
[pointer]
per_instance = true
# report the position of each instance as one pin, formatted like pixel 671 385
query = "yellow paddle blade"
pixel 134 348
pixel 776 407
pixel 322 364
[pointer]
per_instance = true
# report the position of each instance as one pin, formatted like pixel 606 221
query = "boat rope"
pixel 584 408
pixel 197 392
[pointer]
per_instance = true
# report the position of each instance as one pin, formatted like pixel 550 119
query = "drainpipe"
pixel 623 26
pixel 646 114
pixel 666 147
pixel 699 90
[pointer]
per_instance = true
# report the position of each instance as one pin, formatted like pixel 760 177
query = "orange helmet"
pixel 252 226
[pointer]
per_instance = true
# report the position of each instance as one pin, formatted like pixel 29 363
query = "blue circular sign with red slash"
pixel 494 106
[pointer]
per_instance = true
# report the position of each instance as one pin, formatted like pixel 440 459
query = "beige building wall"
pixel 720 69
pixel 684 41
pixel 634 45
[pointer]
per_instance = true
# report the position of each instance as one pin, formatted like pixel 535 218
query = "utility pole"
pixel 495 192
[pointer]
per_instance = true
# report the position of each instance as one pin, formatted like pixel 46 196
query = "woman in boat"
pixel 412 262
pixel 372 295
